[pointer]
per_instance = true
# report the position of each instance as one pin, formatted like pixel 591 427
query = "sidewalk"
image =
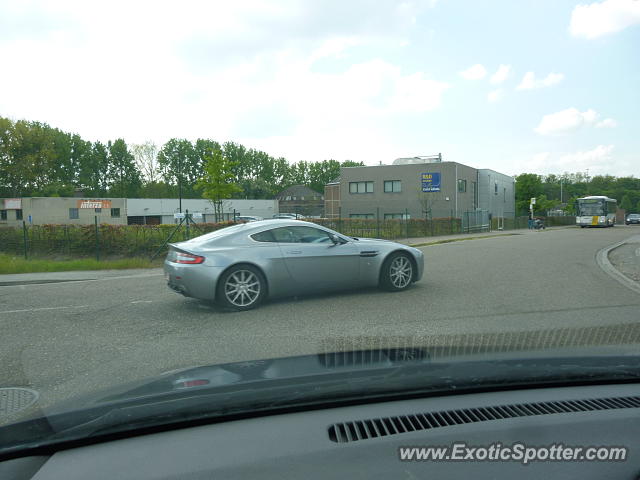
pixel 74 276
pixel 423 241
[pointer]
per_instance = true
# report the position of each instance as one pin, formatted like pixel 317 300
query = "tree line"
pixel 39 160
pixel 548 189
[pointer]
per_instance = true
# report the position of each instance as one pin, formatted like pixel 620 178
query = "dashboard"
pixel 364 441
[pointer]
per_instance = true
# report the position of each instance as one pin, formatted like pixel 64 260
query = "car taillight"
pixel 182 257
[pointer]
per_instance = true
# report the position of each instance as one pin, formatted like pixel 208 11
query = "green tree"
pixel 181 167
pixel 217 182
pixel 626 203
pixel 528 186
pixel 124 177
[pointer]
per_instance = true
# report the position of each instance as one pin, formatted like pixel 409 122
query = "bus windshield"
pixel 593 207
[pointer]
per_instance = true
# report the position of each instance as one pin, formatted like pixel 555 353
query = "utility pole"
pixel 180 184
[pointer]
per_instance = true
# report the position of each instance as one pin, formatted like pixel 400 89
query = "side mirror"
pixel 335 239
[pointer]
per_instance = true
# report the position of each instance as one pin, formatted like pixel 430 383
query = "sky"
pixel 528 86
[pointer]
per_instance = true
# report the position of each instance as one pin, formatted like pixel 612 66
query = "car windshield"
pixel 219 208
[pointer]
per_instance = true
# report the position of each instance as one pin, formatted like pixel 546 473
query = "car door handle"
pixel 294 252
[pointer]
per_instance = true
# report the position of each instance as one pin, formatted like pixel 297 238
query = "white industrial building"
pixel 122 211
pixel 145 211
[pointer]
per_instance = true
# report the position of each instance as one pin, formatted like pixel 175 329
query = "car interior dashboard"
pixel 364 441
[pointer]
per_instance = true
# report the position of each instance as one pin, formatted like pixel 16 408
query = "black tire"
pixel 248 285
pixel 397 272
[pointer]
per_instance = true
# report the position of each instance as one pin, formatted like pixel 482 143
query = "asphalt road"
pixel 67 338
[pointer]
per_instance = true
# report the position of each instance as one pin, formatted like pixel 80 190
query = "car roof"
pixel 279 222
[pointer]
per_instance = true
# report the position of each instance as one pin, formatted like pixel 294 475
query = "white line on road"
pixel 43 309
pixel 142 301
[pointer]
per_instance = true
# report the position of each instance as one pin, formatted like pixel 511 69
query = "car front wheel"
pixel 397 272
pixel 242 287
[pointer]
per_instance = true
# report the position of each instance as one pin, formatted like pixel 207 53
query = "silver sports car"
pixel 239 266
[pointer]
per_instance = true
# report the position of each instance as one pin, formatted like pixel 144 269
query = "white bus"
pixel 596 211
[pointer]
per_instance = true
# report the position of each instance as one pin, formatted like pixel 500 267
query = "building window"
pixel 361 215
pixel 397 216
pixel 360 187
pixel 392 186
pixel 19 214
pixel 115 212
pixel 73 213
pixel 3 214
pixel 98 210
pixel 462 186
pixel 495 188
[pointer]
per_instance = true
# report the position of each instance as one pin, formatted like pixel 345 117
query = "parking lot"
pixel 77 336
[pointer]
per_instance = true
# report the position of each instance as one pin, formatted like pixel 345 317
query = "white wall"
pixel 168 206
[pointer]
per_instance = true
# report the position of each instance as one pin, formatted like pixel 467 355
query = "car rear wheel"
pixel 242 287
pixel 397 272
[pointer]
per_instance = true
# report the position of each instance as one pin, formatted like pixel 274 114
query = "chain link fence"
pixel 103 241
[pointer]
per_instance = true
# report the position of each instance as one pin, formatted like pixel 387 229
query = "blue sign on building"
pixel 431 182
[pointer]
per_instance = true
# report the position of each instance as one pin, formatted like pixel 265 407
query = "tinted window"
pixel 266 236
pixel 300 235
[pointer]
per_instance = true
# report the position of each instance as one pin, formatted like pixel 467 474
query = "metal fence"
pixel 117 241
pixel 476 221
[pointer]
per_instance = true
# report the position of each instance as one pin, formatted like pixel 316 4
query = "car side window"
pixel 266 236
pixel 301 235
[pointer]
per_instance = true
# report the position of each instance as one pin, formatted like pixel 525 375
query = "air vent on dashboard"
pixel 381 427
pixel 370 357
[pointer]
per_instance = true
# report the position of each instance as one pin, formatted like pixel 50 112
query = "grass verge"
pixel 11 264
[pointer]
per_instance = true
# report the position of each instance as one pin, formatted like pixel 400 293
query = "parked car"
pixel 247 218
pixel 633 218
pixel 286 216
pixel 239 266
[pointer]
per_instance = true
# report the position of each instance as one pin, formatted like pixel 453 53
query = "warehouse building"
pixel 62 210
pixel 419 187
pixel 153 211
pixel 122 211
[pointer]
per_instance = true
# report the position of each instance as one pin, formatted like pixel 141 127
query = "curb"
pixel 602 259
pixel 451 240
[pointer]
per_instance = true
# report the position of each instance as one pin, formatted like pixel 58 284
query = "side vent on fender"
pixel 380 427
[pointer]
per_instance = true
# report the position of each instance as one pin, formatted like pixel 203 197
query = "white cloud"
pixel 474 72
pixel 607 123
pixel 529 81
pixel 566 121
pixel 501 74
pixel 598 161
pixel 603 18
pixel 266 75
pixel 599 157
pixel 494 95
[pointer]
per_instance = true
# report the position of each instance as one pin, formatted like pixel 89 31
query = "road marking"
pixel 638 252
pixel 142 301
pixel 41 309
